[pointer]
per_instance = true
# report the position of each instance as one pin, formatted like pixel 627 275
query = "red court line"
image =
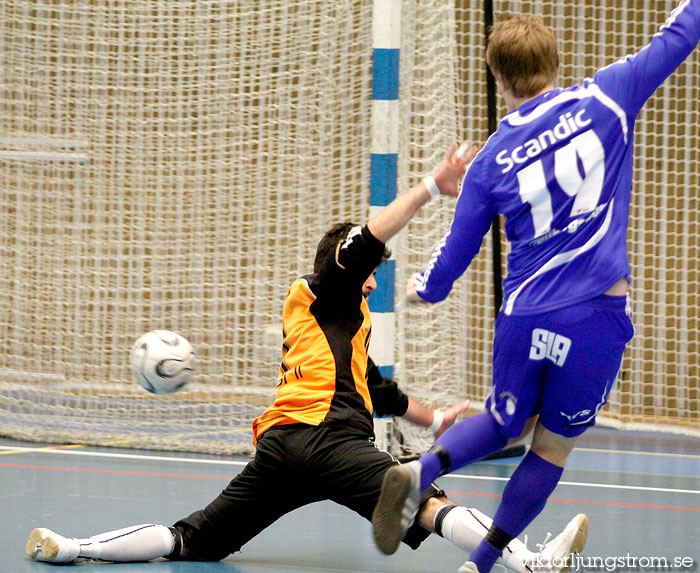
pixel 121 472
pixel 587 501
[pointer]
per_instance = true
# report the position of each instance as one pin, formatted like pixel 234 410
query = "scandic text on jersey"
pixel 568 124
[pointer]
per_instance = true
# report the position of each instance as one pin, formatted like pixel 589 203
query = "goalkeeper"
pixel 316 442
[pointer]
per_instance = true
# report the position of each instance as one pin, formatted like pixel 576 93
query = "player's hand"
pixel 448 175
pixel 412 296
pixel 451 414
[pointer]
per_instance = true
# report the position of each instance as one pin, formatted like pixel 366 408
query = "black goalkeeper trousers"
pixel 294 465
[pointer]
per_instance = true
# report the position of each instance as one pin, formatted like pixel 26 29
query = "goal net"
pixel 172 164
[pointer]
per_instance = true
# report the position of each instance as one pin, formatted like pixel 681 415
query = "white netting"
pixel 173 164
pixel 167 165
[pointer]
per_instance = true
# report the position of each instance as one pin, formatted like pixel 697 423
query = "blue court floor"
pixel 640 490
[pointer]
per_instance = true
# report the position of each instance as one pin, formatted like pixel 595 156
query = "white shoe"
pixel 45 545
pixel 555 555
pixel 397 506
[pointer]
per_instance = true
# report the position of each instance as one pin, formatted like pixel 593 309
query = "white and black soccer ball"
pixel 163 361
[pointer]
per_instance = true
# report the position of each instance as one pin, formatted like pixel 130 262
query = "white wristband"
pixel 438 418
pixel 433 189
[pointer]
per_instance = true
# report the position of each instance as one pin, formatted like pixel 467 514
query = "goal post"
pixel 173 164
pixel 384 147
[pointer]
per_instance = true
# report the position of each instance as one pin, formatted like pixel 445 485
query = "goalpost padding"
pixel 173 165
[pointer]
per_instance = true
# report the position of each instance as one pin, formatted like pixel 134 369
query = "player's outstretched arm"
pixel 632 80
pixel 473 216
pixel 436 420
pixel 445 180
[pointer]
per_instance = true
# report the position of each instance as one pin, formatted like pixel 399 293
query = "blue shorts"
pixel 560 364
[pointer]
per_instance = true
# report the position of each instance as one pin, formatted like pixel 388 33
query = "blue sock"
pixel 524 497
pixel 467 441
pixel 484 556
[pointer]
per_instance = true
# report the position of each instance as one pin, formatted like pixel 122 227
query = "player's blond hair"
pixel 522 51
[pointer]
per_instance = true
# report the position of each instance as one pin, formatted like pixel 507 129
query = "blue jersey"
pixel 560 169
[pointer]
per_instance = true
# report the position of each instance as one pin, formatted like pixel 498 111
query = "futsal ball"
pixel 163 361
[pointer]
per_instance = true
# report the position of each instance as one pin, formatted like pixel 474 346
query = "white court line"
pixel 235 463
pixel 582 484
pixel 123 456
pixel 635 453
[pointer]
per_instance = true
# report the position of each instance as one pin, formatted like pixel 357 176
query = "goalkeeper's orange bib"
pixel 323 375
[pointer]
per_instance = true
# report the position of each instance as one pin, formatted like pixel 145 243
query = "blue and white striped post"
pixel 386 36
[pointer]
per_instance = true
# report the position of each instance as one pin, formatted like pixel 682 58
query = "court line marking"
pixel 584 484
pixel 586 501
pixel 156 474
pixel 633 452
pixel 594 450
pixel 119 472
pixel 63 451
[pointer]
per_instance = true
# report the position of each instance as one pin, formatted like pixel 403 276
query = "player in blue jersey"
pixel 559 168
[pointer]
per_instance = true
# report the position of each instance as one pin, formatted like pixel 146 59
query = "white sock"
pixel 466 527
pixel 135 543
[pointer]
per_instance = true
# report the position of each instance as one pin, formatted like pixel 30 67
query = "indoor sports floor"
pixel 640 490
